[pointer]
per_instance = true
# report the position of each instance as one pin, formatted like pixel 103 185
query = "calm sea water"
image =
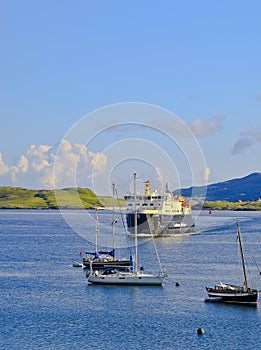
pixel 46 303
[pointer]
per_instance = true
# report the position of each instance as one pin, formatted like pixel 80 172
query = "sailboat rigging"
pixel 133 276
pixel 104 259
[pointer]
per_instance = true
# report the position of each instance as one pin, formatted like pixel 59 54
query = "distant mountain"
pixel 247 188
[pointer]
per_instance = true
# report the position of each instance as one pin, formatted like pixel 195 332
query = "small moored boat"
pixel 230 293
pixel 226 292
pixel 100 260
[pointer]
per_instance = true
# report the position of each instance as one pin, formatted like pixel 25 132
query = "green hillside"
pixel 67 198
pixel 224 205
pixel 78 198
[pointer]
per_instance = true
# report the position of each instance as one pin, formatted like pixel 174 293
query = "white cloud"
pixel 206 127
pixel 72 163
pixel 21 167
pixel 99 161
pixel 4 169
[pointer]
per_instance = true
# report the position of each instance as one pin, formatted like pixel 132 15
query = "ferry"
pixel 158 214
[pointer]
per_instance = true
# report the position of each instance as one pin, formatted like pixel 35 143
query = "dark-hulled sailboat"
pixel 100 260
pixel 231 293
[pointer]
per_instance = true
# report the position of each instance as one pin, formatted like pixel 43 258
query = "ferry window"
pixel 145 204
pixel 151 204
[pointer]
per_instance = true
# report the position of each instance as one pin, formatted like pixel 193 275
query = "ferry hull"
pixel 159 224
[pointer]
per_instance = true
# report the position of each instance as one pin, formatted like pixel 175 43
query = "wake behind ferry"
pixel 158 214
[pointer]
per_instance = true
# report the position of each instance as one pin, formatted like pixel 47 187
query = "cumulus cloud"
pixel 66 163
pixel 206 127
pixel 247 139
pixel 45 166
pixel 99 161
pixel 21 167
pixel 74 165
pixel 4 169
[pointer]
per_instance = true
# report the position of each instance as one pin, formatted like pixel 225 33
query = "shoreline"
pixel 203 208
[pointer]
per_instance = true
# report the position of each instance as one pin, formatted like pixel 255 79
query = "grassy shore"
pixel 68 198
pixel 223 205
pixel 77 198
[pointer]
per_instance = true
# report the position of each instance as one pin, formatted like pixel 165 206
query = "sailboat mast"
pixel 113 217
pixel 135 225
pixel 96 232
pixel 242 256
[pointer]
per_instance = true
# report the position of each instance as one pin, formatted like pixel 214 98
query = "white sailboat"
pixel 134 277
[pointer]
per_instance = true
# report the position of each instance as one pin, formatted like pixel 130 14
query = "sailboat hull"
pixel 230 296
pixel 128 279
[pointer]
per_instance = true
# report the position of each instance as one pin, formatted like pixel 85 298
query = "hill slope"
pixel 22 198
pixel 244 189
pixel 247 188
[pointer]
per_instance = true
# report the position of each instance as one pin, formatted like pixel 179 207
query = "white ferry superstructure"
pixel 158 214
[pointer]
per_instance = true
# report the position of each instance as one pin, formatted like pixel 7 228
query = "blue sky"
pixel 61 60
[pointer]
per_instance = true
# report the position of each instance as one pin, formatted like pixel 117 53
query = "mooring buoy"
pixel 200 331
